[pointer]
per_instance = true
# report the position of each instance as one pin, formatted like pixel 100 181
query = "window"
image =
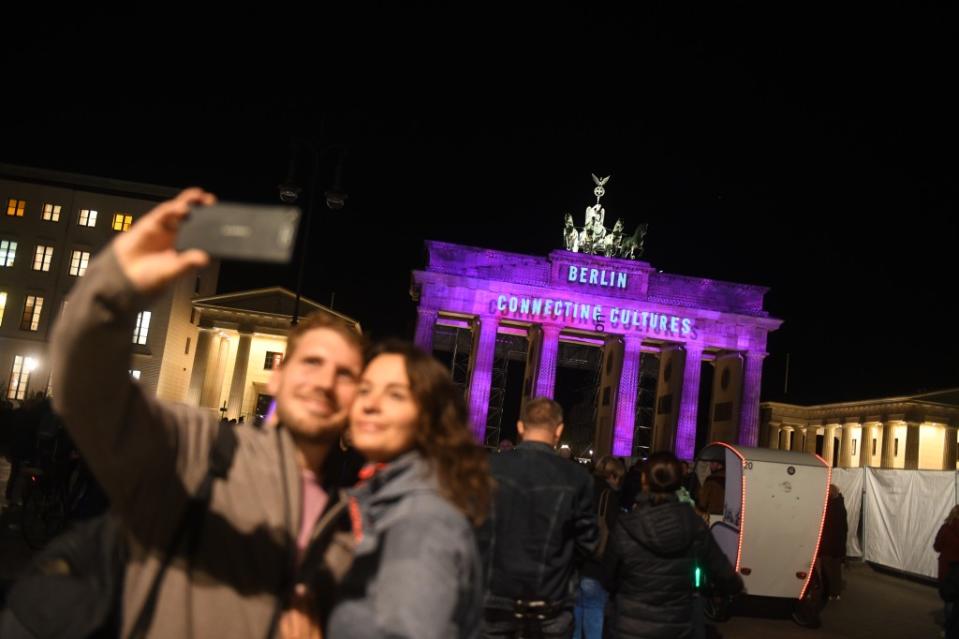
pixel 78 263
pixel 854 447
pixel 273 360
pixel 3 305
pixel 8 251
pixel 51 212
pixel 20 377
pixel 31 313
pixel 15 207
pixel 142 328
pixel 41 259
pixel 186 351
pixel 895 451
pixel 122 221
pixel 88 217
pixel 874 447
pixel 134 373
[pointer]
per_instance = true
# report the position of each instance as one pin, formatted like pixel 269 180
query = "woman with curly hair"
pixel 416 569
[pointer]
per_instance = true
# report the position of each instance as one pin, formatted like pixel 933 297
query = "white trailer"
pixel 773 516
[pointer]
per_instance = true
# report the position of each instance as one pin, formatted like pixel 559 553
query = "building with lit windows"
pixel 912 432
pixel 190 345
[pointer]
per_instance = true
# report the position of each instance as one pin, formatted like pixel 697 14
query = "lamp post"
pixel 290 193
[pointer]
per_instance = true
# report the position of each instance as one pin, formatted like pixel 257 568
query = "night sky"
pixel 813 153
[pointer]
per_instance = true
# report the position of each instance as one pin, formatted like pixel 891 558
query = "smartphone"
pixel 246 232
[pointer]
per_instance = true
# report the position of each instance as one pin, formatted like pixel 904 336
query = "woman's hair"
pixel 663 473
pixel 610 468
pixel 443 435
pixel 953 515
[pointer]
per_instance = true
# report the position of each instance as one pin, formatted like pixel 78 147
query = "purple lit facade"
pixel 599 300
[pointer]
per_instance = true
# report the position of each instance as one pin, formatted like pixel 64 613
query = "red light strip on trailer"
pixel 822 523
pixel 742 503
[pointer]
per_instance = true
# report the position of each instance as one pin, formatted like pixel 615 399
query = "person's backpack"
pixel 74 587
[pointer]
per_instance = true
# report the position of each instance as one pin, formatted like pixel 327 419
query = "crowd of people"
pixel 363 508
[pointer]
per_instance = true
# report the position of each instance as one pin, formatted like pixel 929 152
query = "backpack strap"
pixel 191 522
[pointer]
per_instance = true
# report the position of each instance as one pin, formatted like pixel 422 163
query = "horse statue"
pixel 633 246
pixel 613 242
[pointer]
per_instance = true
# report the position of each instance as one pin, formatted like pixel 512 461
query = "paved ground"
pixel 875 605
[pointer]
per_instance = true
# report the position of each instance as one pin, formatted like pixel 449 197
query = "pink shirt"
pixel 314 501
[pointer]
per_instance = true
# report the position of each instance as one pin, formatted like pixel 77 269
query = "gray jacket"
pixel 416 570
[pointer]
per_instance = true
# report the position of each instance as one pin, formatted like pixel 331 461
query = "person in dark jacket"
pixel 947 545
pixel 832 548
pixel 652 556
pixel 416 568
pixel 543 524
pixel 594 581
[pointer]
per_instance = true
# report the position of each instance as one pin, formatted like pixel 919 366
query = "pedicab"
pixel 771 526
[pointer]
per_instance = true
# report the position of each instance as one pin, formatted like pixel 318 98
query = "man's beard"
pixel 325 435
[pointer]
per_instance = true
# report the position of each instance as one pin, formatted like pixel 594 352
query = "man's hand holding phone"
pixel 147 251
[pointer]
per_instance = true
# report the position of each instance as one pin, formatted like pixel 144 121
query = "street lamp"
pixel 290 192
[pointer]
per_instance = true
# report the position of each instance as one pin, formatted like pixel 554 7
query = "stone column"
pixel 912 446
pixel 626 397
pixel 949 448
pixel 238 382
pixel 772 440
pixel 549 351
pixel 749 409
pixel 201 355
pixel 482 374
pixel 686 428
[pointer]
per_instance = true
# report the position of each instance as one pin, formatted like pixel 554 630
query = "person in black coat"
pixel 832 547
pixel 652 557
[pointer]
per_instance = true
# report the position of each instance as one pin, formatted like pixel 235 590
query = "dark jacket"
pixel 416 570
pixel 835 529
pixel 593 567
pixel 947 545
pixel 652 556
pixel 543 520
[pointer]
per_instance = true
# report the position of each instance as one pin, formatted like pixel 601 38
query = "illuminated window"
pixel 51 212
pixel 42 258
pixel 3 305
pixel 31 313
pixel 20 377
pixel 88 217
pixel 8 251
pixel 78 263
pixel 121 221
pixel 273 360
pixel 134 373
pixel 142 328
pixel 15 207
